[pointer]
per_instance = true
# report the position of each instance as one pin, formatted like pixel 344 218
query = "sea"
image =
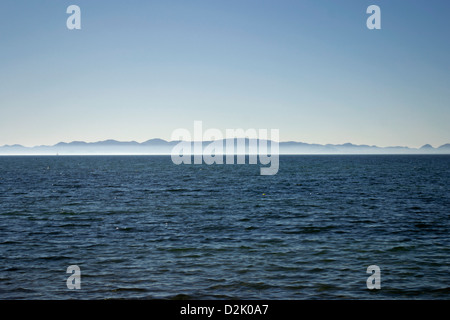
pixel 141 227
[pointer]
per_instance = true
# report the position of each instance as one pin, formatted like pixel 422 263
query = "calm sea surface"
pixel 142 227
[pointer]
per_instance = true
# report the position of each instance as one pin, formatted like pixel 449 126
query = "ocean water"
pixel 140 227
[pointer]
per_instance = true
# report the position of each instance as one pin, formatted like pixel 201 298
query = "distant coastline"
pixel 163 147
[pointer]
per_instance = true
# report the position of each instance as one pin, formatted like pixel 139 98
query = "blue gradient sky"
pixel 140 69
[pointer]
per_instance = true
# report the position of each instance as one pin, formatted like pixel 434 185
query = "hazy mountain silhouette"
pixel 160 146
pixel 445 147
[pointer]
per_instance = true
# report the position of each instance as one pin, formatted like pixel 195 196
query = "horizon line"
pixel 223 139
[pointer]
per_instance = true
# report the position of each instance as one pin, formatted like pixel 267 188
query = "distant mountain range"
pixel 159 146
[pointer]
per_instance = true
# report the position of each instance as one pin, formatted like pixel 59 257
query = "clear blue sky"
pixel 140 69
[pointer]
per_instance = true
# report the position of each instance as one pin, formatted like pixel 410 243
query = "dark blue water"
pixel 142 227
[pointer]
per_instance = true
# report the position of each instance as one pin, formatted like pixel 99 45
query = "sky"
pixel 139 70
